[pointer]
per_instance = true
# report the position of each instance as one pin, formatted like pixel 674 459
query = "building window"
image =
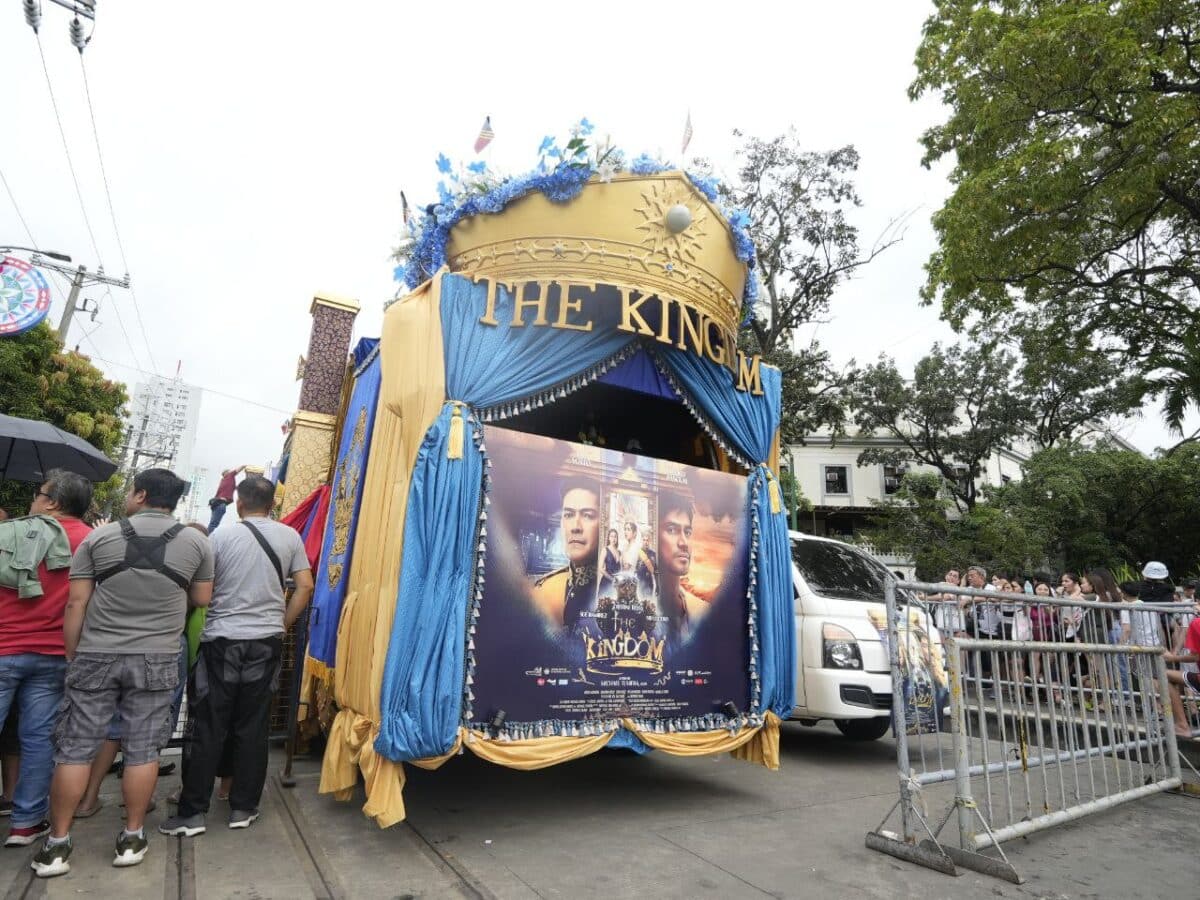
pixel 837 481
pixel 891 478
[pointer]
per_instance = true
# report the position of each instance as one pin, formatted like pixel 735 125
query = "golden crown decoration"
pixel 652 233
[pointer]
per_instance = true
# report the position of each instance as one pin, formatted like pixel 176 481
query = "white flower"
pixel 606 171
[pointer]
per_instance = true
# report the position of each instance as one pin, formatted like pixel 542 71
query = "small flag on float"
pixel 687 133
pixel 485 134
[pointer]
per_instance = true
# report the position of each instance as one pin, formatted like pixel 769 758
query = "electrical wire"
pixel 67 150
pixel 141 371
pixel 20 215
pixel 137 309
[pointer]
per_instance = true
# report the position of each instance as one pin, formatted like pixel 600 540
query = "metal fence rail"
pixel 1018 713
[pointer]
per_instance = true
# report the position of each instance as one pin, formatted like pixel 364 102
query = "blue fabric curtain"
pixel 485 366
pixel 490 366
pixel 639 373
pixel 748 422
pixel 344 501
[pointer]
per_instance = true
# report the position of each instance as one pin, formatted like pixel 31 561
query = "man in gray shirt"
pixel 131 584
pixel 237 671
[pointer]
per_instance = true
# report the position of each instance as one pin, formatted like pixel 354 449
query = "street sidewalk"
pixel 612 826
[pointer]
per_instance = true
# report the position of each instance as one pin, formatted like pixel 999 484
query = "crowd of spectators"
pixel 1015 615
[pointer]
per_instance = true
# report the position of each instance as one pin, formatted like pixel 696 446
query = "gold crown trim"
pixel 612 233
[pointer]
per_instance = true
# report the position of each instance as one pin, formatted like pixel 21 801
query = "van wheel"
pixel 864 729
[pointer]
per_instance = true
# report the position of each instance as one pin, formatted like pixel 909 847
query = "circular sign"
pixel 24 296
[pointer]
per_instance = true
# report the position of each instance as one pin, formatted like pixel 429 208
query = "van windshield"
pixel 835 570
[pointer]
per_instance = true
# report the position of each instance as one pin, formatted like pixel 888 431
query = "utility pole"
pixel 80 278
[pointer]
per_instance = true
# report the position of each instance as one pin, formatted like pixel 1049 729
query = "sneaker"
pixel 23 837
pixel 241 818
pixel 52 859
pixel 184 826
pixel 5 806
pixel 131 848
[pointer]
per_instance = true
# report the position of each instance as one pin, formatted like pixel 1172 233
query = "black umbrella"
pixel 29 449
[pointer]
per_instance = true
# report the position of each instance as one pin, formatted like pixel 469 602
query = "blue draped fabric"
pixel 494 365
pixel 639 373
pixel 344 501
pixel 486 366
pixel 748 422
pixel 363 349
pixel 423 676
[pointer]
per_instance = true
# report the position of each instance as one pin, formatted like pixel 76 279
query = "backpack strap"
pixel 146 554
pixel 271 555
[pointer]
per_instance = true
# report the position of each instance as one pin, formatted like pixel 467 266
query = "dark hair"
pixel 1191 583
pixel 1104 584
pixel 163 488
pixel 1042 578
pixel 72 492
pixel 581 483
pixel 672 502
pixel 1132 588
pixel 256 493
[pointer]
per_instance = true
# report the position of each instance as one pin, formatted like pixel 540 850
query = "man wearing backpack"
pixel 131 584
pixel 241 648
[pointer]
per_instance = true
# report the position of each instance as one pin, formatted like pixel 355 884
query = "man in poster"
pixel 682 608
pixel 566 592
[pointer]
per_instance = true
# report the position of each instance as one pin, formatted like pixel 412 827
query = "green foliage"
pixel 1075 133
pixel 1105 507
pixel 920 521
pixel 960 407
pixel 39 380
pixel 797 200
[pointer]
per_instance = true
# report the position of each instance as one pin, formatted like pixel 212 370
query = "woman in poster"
pixel 633 543
pixel 612 553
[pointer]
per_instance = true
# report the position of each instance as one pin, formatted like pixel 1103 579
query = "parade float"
pixel 554 521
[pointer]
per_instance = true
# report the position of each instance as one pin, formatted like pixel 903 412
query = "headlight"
pixel 840 648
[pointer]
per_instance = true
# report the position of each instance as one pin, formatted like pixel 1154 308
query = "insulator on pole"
pixel 33 13
pixel 77 36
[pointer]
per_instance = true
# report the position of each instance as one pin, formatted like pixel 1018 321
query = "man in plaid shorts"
pixel 131 584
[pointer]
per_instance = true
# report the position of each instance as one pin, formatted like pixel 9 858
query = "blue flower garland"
pixel 561 175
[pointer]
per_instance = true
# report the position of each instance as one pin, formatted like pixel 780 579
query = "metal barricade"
pixel 1022 716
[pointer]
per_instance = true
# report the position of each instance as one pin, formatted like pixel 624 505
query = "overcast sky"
pixel 256 153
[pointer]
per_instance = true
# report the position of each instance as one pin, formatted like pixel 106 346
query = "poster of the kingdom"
pixel 614 585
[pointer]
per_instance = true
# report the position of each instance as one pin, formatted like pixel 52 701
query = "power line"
pixel 137 309
pixel 207 390
pixel 67 150
pixel 20 216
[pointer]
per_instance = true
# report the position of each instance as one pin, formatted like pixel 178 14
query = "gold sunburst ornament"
pixel 674 222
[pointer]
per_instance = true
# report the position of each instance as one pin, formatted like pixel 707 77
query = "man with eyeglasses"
pixel 32 651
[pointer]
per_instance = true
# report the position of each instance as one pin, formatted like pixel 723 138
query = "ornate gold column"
pixel 323 371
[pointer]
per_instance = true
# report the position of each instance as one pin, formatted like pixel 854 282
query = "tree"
pixel 919 522
pixel 39 380
pixel 1105 506
pixel 1075 131
pixel 796 201
pixel 960 407
pixel 1069 391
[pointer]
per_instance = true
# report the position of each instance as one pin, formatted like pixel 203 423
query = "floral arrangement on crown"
pixel 561 174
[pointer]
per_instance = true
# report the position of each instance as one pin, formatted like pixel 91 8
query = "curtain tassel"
pixel 454 447
pixel 773 491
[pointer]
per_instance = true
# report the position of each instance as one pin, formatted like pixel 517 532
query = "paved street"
pixel 613 826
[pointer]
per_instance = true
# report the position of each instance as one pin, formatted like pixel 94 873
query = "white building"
pixel 845 494
pixel 163 416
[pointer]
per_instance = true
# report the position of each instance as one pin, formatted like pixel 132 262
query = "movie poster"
pixel 923 664
pixel 614 585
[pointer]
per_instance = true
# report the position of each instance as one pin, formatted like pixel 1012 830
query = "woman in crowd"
pixel 948 615
pixel 1044 626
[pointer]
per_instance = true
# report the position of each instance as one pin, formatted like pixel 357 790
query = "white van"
pixel 842 669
